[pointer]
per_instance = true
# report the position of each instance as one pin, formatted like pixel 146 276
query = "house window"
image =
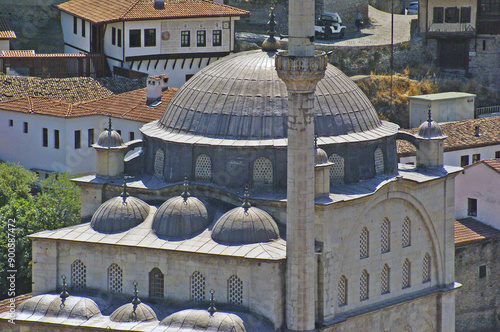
pixel 472 207
pixel 83 28
pixel 262 171
pixel 115 278
pixel 203 168
pixel 438 15
pixel 78 136
pixel 131 136
pixel 149 37
pixel 426 268
pixel 75 25
pixel 201 38
pixel 197 286
pixel 45 137
pixel 476 157
pixel 364 283
pixel 113 36
pixel 363 243
pixel 337 169
pixel 188 77
pixel 484 45
pixel 90 137
pixel 25 127
pixel 497 154
pixel 482 271
pixel 342 291
pixel 385 280
pixel 11 123
pixel 406 233
pixel 465 15
pixel 451 15
pixel 119 38
pixel 464 161
pixel 185 39
pixel 385 236
pixel 406 274
pixel 156 283
pixel 78 275
pixel 217 38
pixel 235 290
pixel 56 139
pixel 135 38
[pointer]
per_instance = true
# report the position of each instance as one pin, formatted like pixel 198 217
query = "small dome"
pixel 430 129
pixel 244 225
pixel 109 139
pixel 49 305
pixel 125 313
pixel 119 214
pixel 201 320
pixel 180 217
pixel 320 156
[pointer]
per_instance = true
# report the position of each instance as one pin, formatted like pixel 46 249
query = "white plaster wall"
pixel 442 111
pixel 4 44
pixel 482 183
pixel 451 27
pixel 75 40
pixel 452 158
pixel 113 50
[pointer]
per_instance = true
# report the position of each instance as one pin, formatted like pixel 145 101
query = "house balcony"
pixel 451 30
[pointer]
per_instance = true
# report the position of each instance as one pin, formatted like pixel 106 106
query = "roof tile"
pixel 5 31
pixel 470 230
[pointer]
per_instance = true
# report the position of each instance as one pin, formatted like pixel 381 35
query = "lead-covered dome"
pixel 241 97
pixel 51 305
pixel 109 139
pixel 127 313
pixel 430 129
pixel 202 320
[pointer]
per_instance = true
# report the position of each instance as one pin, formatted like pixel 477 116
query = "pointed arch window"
pixel 262 171
pixel 364 240
pixel 78 275
pixel 156 283
pixel 385 280
pixel 342 291
pixel 337 169
pixel 364 283
pixel 406 274
pixel 115 278
pixel 203 169
pixel 235 290
pixel 197 286
pixel 379 161
pixel 159 163
pixel 385 236
pixel 426 268
pixel 406 232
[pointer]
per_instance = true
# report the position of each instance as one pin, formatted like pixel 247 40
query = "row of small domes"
pixel 185 216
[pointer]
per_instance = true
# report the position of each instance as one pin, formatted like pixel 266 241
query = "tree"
pixel 29 207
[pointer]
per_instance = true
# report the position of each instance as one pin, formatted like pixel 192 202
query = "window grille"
pixel 363 243
pixel 156 283
pixel 262 170
pixel 364 284
pixel 379 161
pixel 406 236
pixel 235 290
pixel 203 170
pixel 78 275
pixel 385 236
pixel 406 274
pixel 385 280
pixel 159 163
pixel 197 286
pixel 115 278
pixel 337 170
pixel 342 291
pixel 426 268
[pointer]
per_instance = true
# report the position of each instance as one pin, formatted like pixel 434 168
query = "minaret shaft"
pixel 301 27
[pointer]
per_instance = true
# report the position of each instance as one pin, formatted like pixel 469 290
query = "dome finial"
pixel 430 113
pixel 315 141
pixel 109 124
pixel 271 44
pixel 246 204
pixel 136 300
pixel 64 293
pixel 185 194
pixel 124 194
pixel 212 309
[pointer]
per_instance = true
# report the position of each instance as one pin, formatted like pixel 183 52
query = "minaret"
pixel 301 68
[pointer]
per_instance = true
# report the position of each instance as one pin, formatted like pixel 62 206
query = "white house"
pixel 468 141
pixel 176 38
pixel 47 135
pixel 6 35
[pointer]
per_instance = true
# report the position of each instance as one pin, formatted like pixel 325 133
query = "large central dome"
pixel 241 98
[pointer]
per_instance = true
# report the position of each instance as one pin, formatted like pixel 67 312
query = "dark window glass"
pixel 188 77
pixel 75 25
pixel 135 38
pixel 465 15
pixel 201 38
pixel 45 137
pixel 482 271
pixel 476 157
pixel 119 132
pixel 472 207
pixel 119 38
pixel 11 123
pixel 156 283
pixel 78 136
pixel 497 154
pixel 83 28
pixel 149 37
pixel 185 39
pixel 464 161
pixel 451 15
pixel 131 136
pixel 438 15
pixel 113 36
pixel 484 45
pixel 90 137
pixel 25 127
pixel 56 139
pixel 217 38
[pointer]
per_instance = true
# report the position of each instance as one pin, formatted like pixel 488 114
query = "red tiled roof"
pixel 5 30
pixel 4 304
pixel 18 54
pixel 98 11
pixel 31 54
pixel 469 230
pixel 129 105
pixel 460 135
pixel 492 163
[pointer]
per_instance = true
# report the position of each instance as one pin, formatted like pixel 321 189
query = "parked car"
pixel 329 25
pixel 412 8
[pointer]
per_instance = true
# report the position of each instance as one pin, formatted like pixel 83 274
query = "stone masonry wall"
pixel 347 9
pixel 486 63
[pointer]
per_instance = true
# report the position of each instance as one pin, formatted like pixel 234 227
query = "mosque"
pixel 268 197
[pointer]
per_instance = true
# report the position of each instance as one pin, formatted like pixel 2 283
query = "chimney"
pixel 153 89
pixel 476 131
pixel 164 82
pixel 159 4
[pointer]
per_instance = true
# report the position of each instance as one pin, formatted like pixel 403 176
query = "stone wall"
pixel 478 300
pixel 347 9
pixel 385 5
pixel 485 64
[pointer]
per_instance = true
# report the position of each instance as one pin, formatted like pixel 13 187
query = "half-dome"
pixel 109 139
pixel 119 214
pixel 50 305
pixel 201 320
pixel 180 217
pixel 244 226
pixel 126 313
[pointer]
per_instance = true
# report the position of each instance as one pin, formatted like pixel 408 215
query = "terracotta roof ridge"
pixel 493 164
pixel 121 17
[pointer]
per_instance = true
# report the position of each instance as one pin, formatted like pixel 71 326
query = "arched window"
pixel 203 169
pixel 337 170
pixel 385 280
pixel 426 268
pixel 364 285
pixel 379 161
pixel 406 232
pixel 406 274
pixel 262 171
pixel 115 278
pixel 78 275
pixel 156 283
pixel 385 236
pixel 342 291
pixel 159 163
pixel 364 239
pixel 235 290
pixel 197 286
